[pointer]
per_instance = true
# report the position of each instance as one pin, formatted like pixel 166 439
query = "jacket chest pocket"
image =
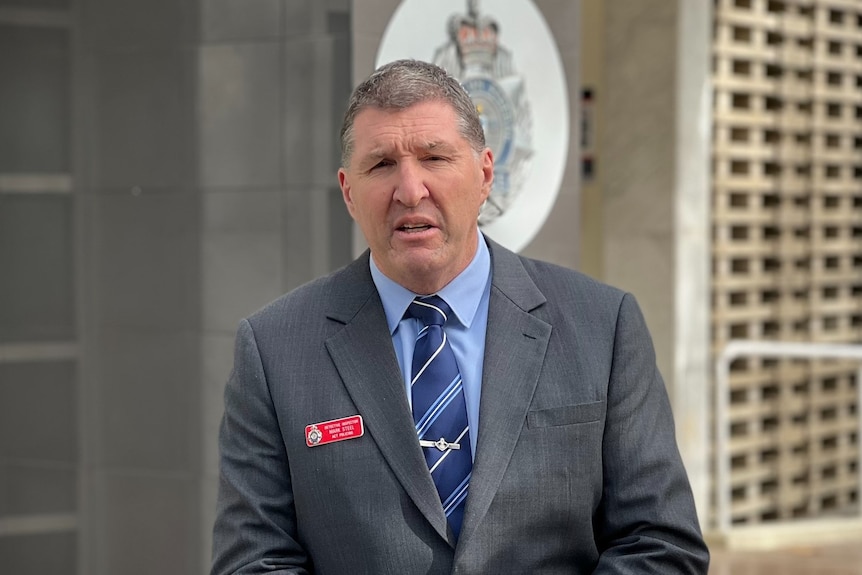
pixel 563 415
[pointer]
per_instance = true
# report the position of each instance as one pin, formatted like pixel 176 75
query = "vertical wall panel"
pixel 39 554
pixel 35 98
pixel 36 268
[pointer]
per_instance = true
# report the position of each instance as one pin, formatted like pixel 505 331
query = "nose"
pixel 410 188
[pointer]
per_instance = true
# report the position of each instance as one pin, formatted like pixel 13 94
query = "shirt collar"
pixel 463 293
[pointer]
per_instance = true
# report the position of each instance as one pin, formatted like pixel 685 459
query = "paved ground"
pixel 834 560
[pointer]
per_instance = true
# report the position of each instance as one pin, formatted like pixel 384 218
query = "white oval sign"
pixel 505 56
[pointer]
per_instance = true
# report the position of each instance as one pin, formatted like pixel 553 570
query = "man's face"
pixel 415 187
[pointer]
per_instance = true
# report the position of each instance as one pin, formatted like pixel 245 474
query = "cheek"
pixel 371 211
pixel 480 194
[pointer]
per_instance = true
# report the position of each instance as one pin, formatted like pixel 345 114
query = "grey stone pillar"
pixel 207 156
pixel 273 80
pixel 655 167
pixel 135 155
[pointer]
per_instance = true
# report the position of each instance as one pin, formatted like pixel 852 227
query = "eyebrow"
pixel 439 147
pixel 382 152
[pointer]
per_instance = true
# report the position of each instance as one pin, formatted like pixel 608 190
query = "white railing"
pixel 773 349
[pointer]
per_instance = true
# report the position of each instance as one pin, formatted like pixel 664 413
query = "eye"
pixel 382 164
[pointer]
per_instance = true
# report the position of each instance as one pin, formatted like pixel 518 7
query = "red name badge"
pixel 334 430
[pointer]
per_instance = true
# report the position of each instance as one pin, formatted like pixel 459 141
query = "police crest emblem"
pixel 475 56
pixel 314 435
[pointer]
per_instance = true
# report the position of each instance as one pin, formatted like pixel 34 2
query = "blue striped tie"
pixel 439 408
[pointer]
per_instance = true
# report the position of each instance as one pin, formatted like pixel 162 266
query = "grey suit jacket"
pixel 576 467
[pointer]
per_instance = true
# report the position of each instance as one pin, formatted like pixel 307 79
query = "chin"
pixel 414 268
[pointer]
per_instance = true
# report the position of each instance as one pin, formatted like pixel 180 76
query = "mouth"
pixel 413 228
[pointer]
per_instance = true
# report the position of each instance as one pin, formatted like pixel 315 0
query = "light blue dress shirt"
pixel 468 295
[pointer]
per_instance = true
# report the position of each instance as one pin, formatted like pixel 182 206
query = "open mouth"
pixel 412 228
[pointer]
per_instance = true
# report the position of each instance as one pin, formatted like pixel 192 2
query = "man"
pixel 556 449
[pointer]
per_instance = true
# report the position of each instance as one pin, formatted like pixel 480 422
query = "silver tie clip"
pixel 440 444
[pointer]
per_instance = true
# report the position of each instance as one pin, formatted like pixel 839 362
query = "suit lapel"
pixel 515 348
pixel 363 354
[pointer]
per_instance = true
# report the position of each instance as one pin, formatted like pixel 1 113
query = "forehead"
pixel 423 122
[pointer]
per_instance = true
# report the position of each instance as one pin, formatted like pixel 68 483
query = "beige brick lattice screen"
pixel 787 256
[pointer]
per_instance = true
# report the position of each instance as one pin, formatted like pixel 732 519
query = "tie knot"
pixel 431 310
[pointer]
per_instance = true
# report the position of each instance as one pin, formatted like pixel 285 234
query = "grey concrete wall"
pixel 271 99
pixel 559 240
pixel 654 158
pixel 39 420
pixel 206 167
pixel 137 186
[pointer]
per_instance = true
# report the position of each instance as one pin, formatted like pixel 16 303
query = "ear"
pixel 346 190
pixel 487 164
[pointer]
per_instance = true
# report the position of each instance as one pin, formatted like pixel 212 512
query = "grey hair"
pixel 404 83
